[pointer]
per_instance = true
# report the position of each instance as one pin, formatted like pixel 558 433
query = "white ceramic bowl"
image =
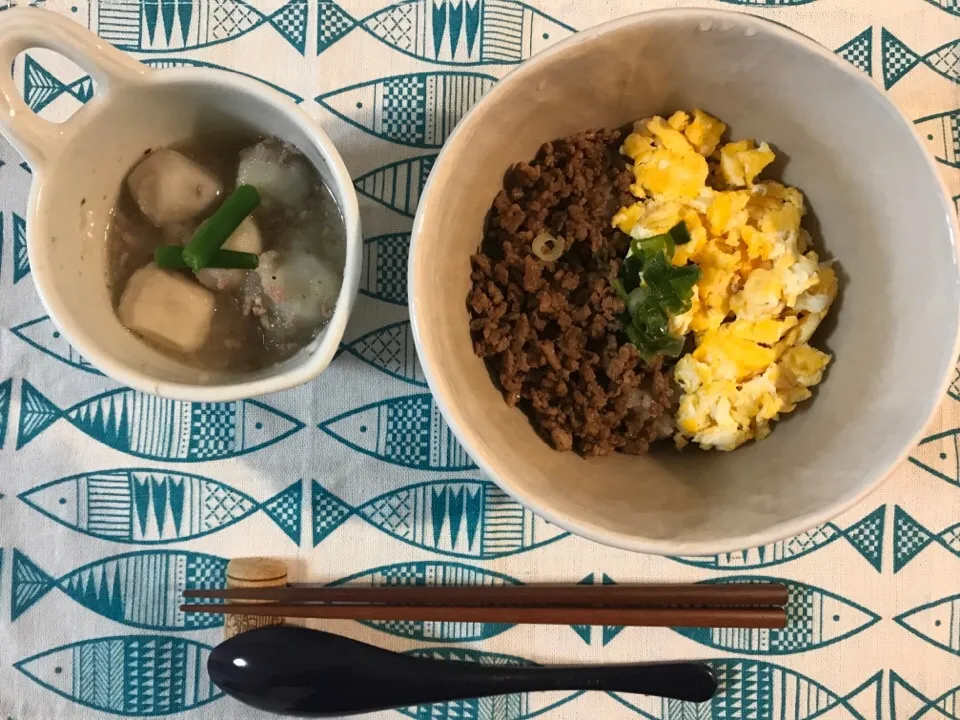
pixel 78 168
pixel 881 210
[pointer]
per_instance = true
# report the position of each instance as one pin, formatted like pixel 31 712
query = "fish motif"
pixel 898 59
pixel 151 507
pixel 937 622
pixel 950 6
pixel 420 109
pixel 954 386
pixel 755 690
pixel 908 703
pixel 21 263
pixel 397 185
pixel 462 518
pixel 169 25
pixel 607 632
pixel 384 272
pixel 129 675
pixel 431 573
pixel 159 428
pixel 26 166
pixel 939 455
pixel 390 349
pixel 910 538
pixel 6 390
pixel 815 618
pixel 6 5
pixel 858 51
pixel 140 589
pixel 453 32
pixel 42 334
pixel 865 536
pixel 518 706
pixel 942 134
pixel 407 431
pixel 41 87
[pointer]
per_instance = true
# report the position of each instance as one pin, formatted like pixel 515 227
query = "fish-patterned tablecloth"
pixel 112 502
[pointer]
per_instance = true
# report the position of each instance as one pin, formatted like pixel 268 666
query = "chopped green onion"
pixel 650 247
pixel 215 230
pixel 680 233
pixel 547 247
pixel 617 285
pixel 170 257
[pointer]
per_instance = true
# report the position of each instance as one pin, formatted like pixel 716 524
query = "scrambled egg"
pixel 762 291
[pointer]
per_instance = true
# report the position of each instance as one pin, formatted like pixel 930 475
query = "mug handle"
pixel 36 139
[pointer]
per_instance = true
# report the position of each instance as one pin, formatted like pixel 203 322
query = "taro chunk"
pixel 170 187
pixel 167 308
pixel 246 238
pixel 278 171
pixel 299 292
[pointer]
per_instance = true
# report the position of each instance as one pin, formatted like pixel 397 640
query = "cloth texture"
pixel 103 521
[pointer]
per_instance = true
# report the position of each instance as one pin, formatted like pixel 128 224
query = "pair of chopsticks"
pixel 735 605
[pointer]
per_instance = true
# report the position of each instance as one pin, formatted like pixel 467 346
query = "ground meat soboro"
pixel 550 331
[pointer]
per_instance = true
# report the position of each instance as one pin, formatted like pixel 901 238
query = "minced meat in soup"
pixel 218 319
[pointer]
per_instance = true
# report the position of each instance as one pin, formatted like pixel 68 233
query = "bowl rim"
pixel 101 359
pixel 593 531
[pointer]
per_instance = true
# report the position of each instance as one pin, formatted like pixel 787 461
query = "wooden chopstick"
pixel 756 617
pixel 635 596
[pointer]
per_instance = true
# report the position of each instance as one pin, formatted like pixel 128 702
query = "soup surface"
pixel 217 319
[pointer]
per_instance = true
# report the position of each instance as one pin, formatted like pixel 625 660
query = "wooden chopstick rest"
pixel 253 573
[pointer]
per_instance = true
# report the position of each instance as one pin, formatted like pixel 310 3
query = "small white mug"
pixel 78 169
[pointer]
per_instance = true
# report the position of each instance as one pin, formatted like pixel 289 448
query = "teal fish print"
pixel 463 518
pixel 951 6
pixel 42 334
pixel 937 622
pixel 407 431
pixel 383 275
pixel 140 589
pixel 432 573
pixel 942 135
pixel 767 3
pixel 170 25
pixel 865 536
pixel 128 675
pixel 910 538
pixel 6 390
pixel 147 506
pixel 939 455
pixel 755 690
pixel 908 703
pixel 607 632
pixel 859 51
pixel 452 32
pixel 419 110
pixel 898 59
pixel 815 618
pixel 159 428
pixel 397 185
pixel 7 4
pixel 21 263
pixel 41 87
pixel 518 706
pixel 391 350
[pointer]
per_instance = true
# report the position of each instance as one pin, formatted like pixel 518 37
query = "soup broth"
pixel 259 317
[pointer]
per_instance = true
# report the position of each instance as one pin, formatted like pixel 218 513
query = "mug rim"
pixel 460 425
pixel 123 373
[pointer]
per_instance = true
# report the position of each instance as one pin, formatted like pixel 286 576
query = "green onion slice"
pixel 170 257
pixel 215 230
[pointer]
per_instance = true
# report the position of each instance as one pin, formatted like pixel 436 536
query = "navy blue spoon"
pixel 297 671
